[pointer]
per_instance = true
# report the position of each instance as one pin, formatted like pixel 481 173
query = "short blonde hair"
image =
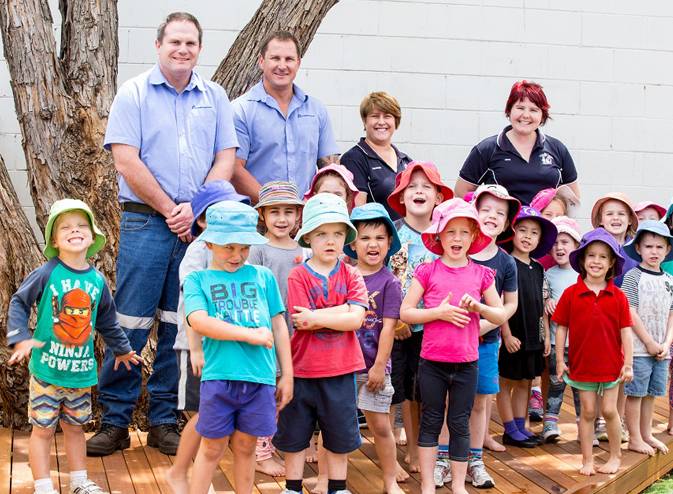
pixel 382 101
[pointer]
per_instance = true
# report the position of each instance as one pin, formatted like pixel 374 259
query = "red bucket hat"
pixel 445 212
pixel 402 181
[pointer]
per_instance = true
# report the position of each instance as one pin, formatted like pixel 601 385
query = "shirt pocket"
pixel 202 127
pixel 308 134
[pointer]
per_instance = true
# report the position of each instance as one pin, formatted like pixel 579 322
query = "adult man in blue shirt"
pixel 283 133
pixel 169 130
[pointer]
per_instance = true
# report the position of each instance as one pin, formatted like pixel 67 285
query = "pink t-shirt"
pixel 443 341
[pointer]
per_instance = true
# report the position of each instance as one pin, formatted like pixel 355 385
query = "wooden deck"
pixel 546 469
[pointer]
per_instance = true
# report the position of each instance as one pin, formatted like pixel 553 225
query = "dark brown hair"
pixel 178 17
pixel 280 36
pixel 583 272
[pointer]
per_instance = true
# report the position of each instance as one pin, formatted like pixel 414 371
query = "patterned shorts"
pixel 48 403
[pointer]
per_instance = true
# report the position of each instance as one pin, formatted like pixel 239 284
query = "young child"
pixel 327 299
pixel 72 299
pixel 526 336
pixel 450 288
pixel 497 210
pixel 650 294
pixel 418 189
pixel 667 267
pixel 188 346
pixel 594 314
pixel 559 277
pixel 377 240
pixel 238 310
pixel 338 180
pixel 648 210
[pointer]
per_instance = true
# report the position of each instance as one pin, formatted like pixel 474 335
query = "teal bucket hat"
pixel 651 226
pixel 374 211
pixel 64 206
pixel 322 209
pixel 231 222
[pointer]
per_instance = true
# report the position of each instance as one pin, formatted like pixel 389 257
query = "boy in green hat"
pixel 72 298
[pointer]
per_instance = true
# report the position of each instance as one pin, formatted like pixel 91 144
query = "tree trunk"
pixel 239 70
pixel 19 255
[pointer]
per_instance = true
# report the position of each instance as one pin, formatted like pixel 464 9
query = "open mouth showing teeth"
pixel 419 201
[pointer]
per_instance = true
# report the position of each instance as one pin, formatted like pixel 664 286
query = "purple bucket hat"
pixel 549 231
pixel 598 235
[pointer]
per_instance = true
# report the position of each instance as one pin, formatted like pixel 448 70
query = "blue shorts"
pixel 329 401
pixel 226 406
pixel 488 382
pixel 649 377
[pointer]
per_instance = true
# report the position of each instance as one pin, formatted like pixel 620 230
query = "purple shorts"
pixel 226 406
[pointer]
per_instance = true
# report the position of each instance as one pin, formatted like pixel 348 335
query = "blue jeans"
pixel 147 287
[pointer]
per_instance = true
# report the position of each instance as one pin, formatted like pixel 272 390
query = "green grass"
pixel 662 486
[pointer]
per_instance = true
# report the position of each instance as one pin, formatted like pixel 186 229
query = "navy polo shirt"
pixel 495 161
pixel 373 175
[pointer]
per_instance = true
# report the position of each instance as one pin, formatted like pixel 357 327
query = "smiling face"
pixel 178 50
pixel 456 240
pixel 71 233
pixel 653 249
pixel 327 242
pixel 597 261
pixel 421 196
pixel 372 244
pixel 554 209
pixel 379 127
pixel 525 117
pixel 279 64
pixel 229 257
pixel 527 234
pixel 492 214
pixel 563 246
pixel 280 220
pixel 614 217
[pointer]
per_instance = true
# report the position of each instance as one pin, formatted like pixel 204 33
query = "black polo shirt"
pixel 495 161
pixel 373 175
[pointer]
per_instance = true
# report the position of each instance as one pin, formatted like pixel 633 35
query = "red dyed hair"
pixel 531 90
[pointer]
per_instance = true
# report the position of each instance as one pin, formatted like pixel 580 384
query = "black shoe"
pixel 165 437
pixel 107 440
pixel 510 441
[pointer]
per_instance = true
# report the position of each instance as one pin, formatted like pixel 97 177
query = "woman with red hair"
pixel 521 158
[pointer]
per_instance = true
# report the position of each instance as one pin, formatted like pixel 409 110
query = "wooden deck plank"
pixel 139 468
pixel 117 473
pixel 5 461
pixel 159 462
pixel 22 478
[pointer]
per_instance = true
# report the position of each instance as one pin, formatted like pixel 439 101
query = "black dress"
pixel 527 325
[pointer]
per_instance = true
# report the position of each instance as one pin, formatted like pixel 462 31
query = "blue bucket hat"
pixel 651 226
pixel 598 235
pixel 210 193
pixel 322 209
pixel 231 222
pixel 374 211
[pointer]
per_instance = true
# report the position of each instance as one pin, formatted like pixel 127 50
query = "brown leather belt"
pixel 139 207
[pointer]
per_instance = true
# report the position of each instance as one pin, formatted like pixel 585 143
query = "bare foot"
pixel 320 486
pixel 640 446
pixel 670 431
pixel 270 467
pixel 177 483
pixel 402 475
pixel 311 452
pixel 393 489
pixel 610 466
pixel 458 489
pixel 400 436
pixel 587 469
pixel 657 444
pixel 412 464
pixel 493 445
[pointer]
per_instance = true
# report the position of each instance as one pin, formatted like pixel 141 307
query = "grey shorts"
pixel 379 401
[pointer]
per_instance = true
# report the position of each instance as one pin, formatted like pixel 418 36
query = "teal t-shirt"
pixel 249 297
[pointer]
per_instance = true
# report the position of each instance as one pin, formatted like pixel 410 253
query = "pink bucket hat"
pixel 499 192
pixel 568 226
pixel 543 198
pixel 649 204
pixel 340 170
pixel 616 196
pixel 445 212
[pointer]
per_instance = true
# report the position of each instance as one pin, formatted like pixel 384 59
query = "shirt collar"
pixel 195 81
pixel 504 143
pixel 367 149
pixel 258 93
pixel 611 288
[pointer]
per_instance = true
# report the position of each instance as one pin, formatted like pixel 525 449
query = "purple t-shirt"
pixel 385 299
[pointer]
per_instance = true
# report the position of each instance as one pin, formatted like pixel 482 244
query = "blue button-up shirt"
pixel 277 147
pixel 178 134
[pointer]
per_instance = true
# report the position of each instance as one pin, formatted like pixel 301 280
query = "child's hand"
pixel 197 361
pixel 284 392
pixel 653 348
pixel 450 313
pixel 22 350
pixel 303 319
pixel 663 354
pixel 550 307
pixel 470 304
pixel 376 375
pixel 131 357
pixel 402 331
pixel 561 368
pixel 512 344
pixel 260 337
pixel 626 376
pixel 547 348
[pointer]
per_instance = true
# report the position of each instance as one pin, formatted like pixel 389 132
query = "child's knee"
pixel 609 412
pixel 379 424
pixel 69 428
pixel 243 444
pixel 212 449
pixel 588 411
pixel 43 432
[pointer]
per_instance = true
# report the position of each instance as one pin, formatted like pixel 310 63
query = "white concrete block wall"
pixel 607 68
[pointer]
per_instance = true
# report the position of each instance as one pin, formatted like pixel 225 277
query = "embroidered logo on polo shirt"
pixel 546 159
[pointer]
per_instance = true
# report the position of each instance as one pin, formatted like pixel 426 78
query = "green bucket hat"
pixel 64 206
pixel 322 209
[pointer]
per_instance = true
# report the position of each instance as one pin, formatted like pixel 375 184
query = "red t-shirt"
pixel 325 352
pixel 594 330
